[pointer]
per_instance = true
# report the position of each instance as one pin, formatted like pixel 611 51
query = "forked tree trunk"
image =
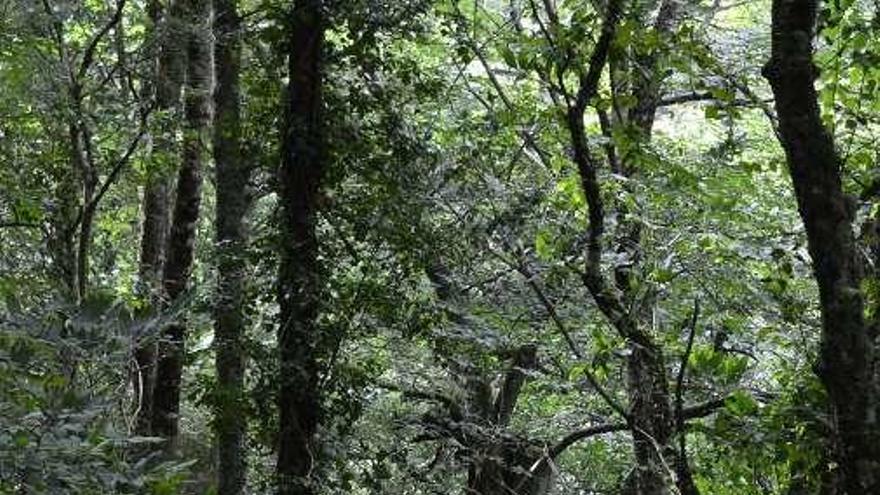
pixel 232 204
pixel 300 175
pixel 499 462
pixel 651 412
pixel 181 240
pixel 846 359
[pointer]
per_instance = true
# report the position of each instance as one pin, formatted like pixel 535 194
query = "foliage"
pixel 63 377
pixel 453 229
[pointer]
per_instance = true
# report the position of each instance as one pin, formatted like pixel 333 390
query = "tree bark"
pixel 166 89
pixel 60 241
pixel 181 240
pixel 300 175
pixel 231 207
pixel 846 359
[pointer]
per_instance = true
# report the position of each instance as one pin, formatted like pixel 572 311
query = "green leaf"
pixel 544 245
pixel 740 404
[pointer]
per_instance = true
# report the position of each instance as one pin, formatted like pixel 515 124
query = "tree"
pixel 509 247
pixel 181 239
pixel 232 204
pixel 303 165
pixel 846 362
pixel 651 413
pixel 81 189
pixel 168 62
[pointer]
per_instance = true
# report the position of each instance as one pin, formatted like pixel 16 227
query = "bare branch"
pixel 698 96
pixel 682 369
pixel 692 412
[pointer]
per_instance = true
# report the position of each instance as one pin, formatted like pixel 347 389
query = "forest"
pixel 416 247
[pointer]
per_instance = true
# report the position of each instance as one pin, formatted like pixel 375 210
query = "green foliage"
pixel 449 152
pixel 64 429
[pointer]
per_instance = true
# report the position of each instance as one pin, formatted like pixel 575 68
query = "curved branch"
pixel 428 395
pixel 695 411
pixel 607 297
pixel 553 452
pixel 89 54
pixel 583 434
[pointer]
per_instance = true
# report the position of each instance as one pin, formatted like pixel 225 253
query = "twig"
pixel 19 225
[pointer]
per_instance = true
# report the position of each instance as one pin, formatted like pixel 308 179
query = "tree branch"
pixel 698 96
pixel 607 297
pixel 531 281
pixel 682 369
pixel 120 163
pixel 589 80
pixel 685 479
pixel 692 412
pixel 19 225
pixel 89 54
pixel 454 409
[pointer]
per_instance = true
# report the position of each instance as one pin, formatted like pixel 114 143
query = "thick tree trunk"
pixel 300 177
pixel 232 204
pixel 847 353
pixel 499 462
pixel 61 240
pixel 166 88
pixel 181 240
pixel 652 419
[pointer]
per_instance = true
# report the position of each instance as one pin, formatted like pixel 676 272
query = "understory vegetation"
pixel 410 247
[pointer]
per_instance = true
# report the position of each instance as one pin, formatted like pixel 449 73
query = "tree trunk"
pixel 232 204
pixel 60 241
pixel 81 158
pixel 181 240
pixel 650 404
pixel 155 231
pixel 166 88
pixel 300 177
pixel 846 359
pixel 652 419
